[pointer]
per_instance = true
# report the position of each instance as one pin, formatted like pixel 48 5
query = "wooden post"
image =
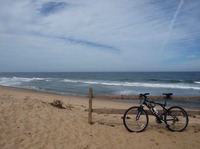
pixel 90 107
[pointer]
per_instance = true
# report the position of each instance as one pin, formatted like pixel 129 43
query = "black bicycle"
pixel 136 119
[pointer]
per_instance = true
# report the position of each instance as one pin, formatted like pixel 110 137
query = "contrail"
pixel 172 24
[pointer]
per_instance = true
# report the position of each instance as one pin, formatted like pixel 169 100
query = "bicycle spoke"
pixel 135 120
pixel 176 119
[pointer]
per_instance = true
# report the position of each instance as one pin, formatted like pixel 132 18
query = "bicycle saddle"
pixel 168 95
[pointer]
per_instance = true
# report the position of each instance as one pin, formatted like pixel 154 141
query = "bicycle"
pixel 136 119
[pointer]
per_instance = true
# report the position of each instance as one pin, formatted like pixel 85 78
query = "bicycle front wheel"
pixel 176 118
pixel 135 119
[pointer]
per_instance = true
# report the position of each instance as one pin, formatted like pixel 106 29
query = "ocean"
pixel 109 83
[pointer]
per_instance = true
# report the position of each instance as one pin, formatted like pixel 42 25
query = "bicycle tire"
pixel 130 121
pixel 176 119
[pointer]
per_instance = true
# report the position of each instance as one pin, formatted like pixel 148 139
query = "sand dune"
pixel 28 120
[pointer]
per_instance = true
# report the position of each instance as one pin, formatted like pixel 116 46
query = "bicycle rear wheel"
pixel 135 119
pixel 176 119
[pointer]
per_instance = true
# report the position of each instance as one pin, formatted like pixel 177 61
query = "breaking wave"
pixel 15 81
pixel 137 84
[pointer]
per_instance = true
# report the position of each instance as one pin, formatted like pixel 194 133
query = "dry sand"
pixel 27 120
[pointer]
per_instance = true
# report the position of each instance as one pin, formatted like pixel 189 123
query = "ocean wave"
pixel 137 84
pixel 15 81
pixel 71 81
pixel 160 85
pixel 171 81
pixel 28 79
pixel 167 80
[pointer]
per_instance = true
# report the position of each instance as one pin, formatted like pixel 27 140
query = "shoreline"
pixel 37 91
pixel 64 98
pixel 112 98
pixel 101 96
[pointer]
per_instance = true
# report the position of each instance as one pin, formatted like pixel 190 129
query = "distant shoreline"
pixel 99 95
pixel 114 98
pixel 38 91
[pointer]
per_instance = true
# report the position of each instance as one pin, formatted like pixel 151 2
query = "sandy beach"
pixel 29 121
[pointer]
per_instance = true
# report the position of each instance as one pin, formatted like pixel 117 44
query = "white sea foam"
pixel 71 81
pixel 137 84
pixel 15 81
pixel 197 82
pixel 128 92
pixel 9 82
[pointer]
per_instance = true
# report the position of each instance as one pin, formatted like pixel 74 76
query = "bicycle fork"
pixel 139 112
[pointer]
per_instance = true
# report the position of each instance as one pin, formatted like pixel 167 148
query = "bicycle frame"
pixel 147 103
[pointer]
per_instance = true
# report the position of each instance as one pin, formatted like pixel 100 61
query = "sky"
pixel 99 35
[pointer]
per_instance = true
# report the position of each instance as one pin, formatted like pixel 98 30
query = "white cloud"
pixel 102 35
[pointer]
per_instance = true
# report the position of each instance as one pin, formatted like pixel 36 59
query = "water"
pixel 123 83
pixel 111 83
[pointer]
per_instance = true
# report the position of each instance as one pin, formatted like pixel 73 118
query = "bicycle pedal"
pixel 158 121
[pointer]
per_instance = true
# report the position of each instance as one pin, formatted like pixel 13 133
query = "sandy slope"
pixel 27 120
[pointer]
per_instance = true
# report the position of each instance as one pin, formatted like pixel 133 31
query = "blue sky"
pixel 99 35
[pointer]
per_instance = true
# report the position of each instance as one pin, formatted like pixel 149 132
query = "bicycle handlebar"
pixel 144 95
pixel 168 95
